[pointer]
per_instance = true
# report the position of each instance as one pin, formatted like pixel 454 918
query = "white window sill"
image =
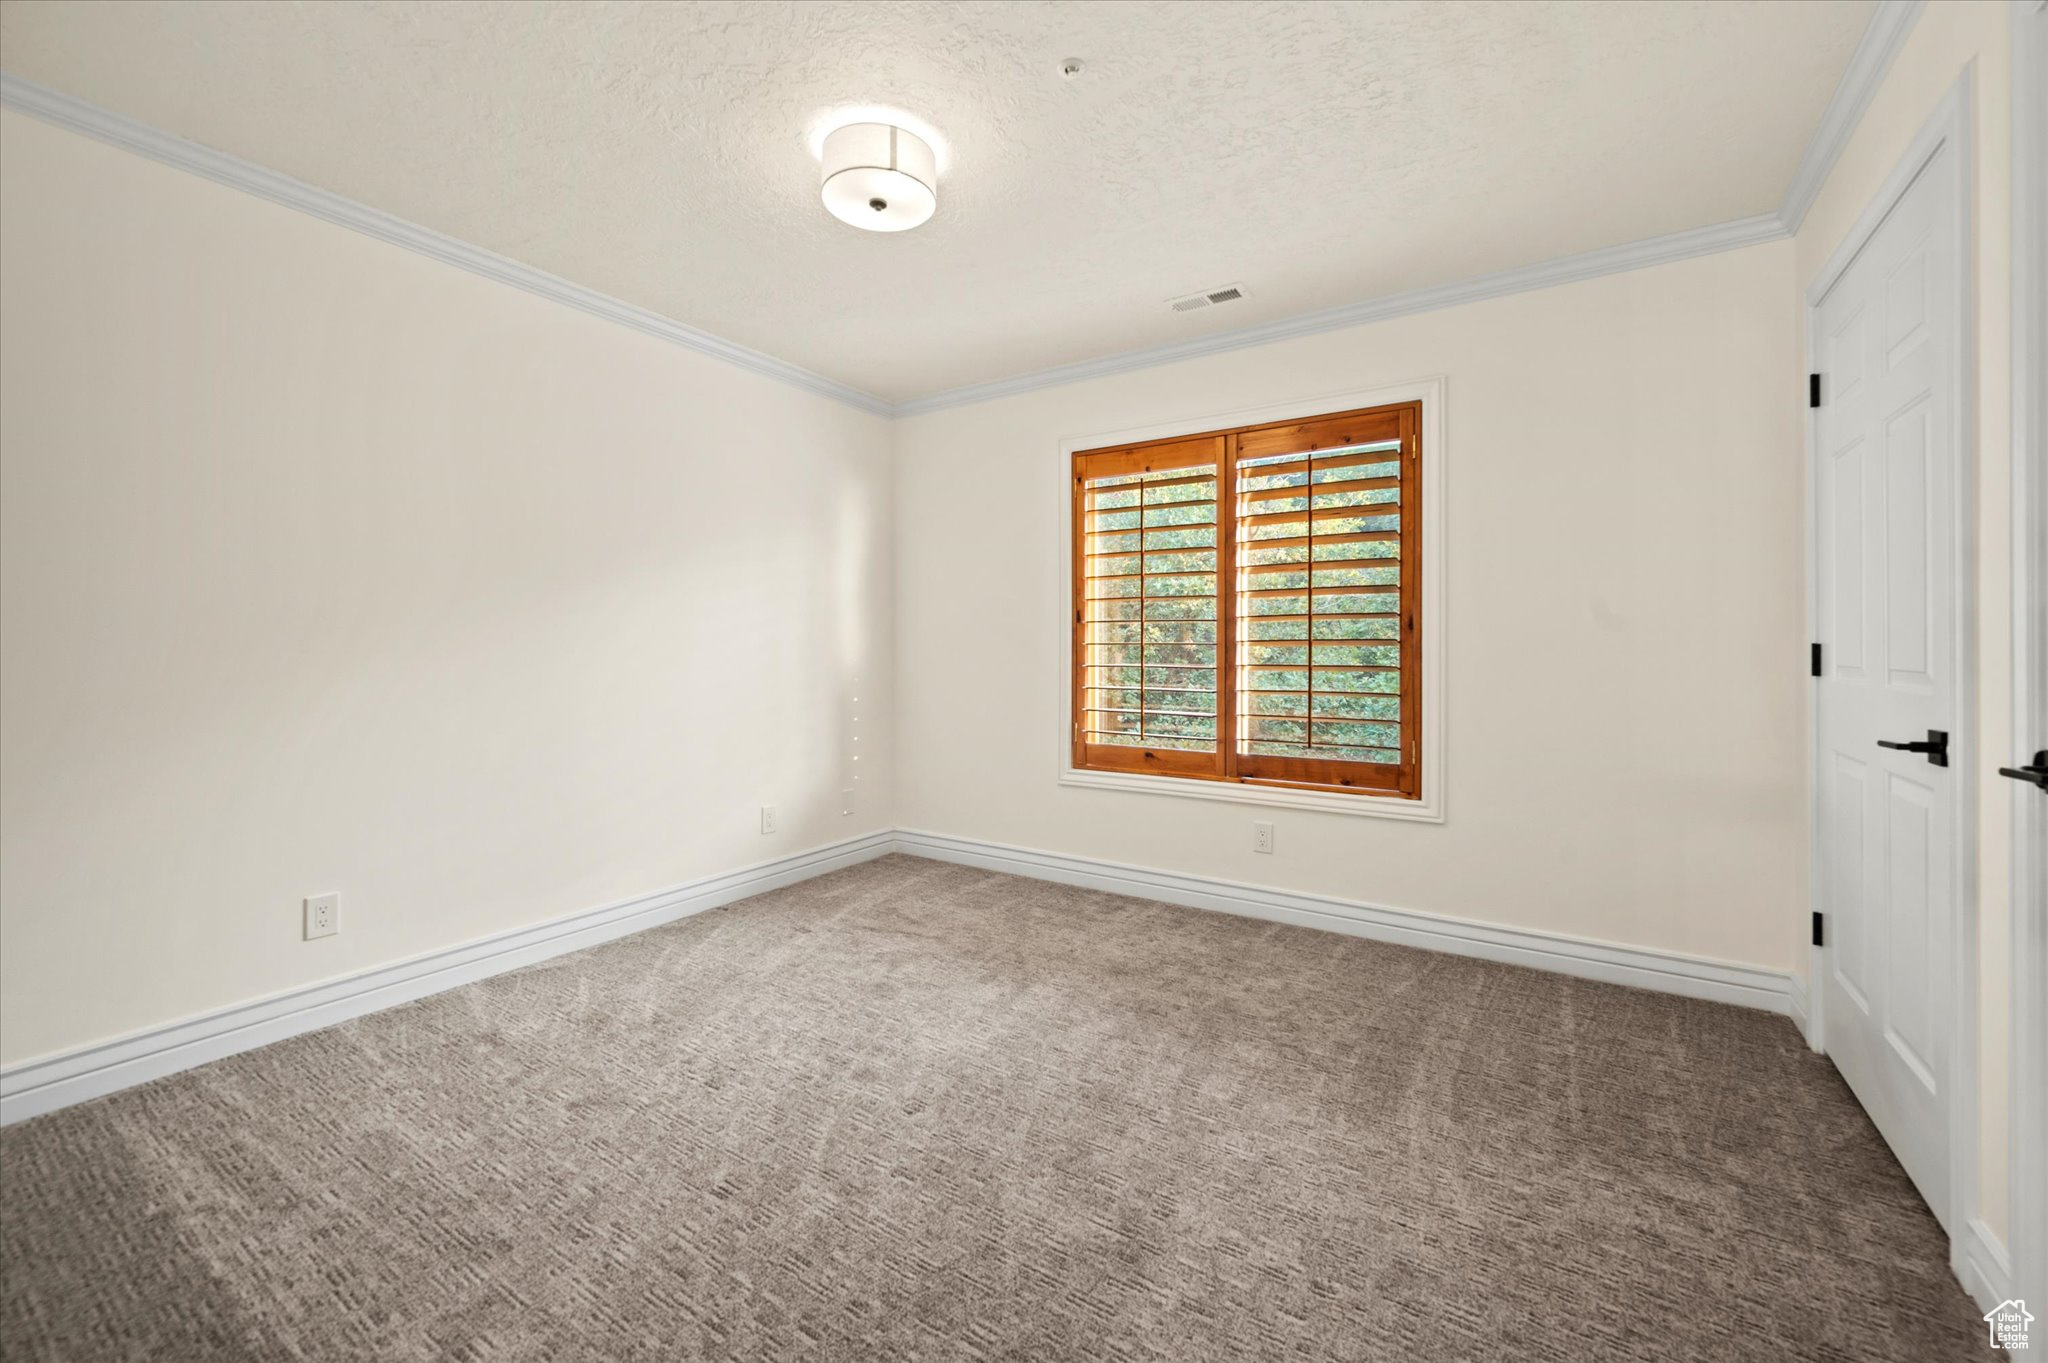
pixel 1325 802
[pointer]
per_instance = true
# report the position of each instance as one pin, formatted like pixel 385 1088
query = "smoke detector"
pixel 1208 298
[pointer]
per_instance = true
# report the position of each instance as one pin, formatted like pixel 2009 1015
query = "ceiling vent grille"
pixel 1228 293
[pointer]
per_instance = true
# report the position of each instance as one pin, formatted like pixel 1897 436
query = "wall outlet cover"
pixel 323 916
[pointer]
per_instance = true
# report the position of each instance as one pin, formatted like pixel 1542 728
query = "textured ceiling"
pixel 1320 154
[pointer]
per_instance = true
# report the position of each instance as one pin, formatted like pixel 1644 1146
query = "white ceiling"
pixel 1321 154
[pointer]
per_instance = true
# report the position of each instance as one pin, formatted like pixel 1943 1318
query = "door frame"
pixel 1948 127
pixel 2027 1222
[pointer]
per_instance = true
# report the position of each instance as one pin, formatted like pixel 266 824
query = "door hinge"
pixel 1813 390
pixel 1816 660
pixel 1820 937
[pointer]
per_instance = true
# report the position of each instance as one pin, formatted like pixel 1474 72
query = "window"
pixel 1247 605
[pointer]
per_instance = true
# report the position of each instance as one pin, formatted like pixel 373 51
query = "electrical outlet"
pixel 767 818
pixel 323 916
pixel 846 802
pixel 1262 837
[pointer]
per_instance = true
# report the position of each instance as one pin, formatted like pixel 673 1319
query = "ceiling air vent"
pixel 1229 293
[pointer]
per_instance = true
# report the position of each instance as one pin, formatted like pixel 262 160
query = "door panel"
pixel 1887 349
pixel 1844 488
pixel 1908 648
pixel 1909 809
pixel 1844 845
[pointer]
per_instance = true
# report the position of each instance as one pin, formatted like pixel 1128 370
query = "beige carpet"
pixel 914 1111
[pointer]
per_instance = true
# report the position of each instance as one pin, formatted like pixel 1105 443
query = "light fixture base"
pixel 879 177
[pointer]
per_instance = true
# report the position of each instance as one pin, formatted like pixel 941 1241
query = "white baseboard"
pixel 34 1087
pixel 43 1085
pixel 1981 1265
pixel 1668 972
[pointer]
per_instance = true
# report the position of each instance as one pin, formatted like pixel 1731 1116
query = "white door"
pixel 2026 786
pixel 1885 345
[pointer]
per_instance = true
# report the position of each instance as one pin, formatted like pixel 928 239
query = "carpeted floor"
pixel 916 1111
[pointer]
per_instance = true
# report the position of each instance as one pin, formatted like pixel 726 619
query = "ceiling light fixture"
pixel 879 177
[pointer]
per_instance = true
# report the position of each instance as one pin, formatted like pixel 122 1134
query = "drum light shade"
pixel 879 177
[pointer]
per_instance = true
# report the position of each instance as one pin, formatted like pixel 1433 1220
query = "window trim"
pixel 1427 805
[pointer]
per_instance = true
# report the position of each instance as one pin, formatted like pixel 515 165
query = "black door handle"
pixel 2035 771
pixel 1936 747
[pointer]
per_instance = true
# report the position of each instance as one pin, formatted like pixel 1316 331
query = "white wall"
pixel 324 566
pixel 1947 39
pixel 1626 638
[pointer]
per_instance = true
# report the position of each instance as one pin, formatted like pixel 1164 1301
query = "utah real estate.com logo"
pixel 2008 1321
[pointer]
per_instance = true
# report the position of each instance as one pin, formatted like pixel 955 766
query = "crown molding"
pixel 1882 38
pixel 118 130
pixel 1890 24
pixel 1635 255
pixel 1886 33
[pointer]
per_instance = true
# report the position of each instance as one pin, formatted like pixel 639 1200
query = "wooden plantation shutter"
pixel 1148 627
pixel 1306 610
pixel 1326 577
